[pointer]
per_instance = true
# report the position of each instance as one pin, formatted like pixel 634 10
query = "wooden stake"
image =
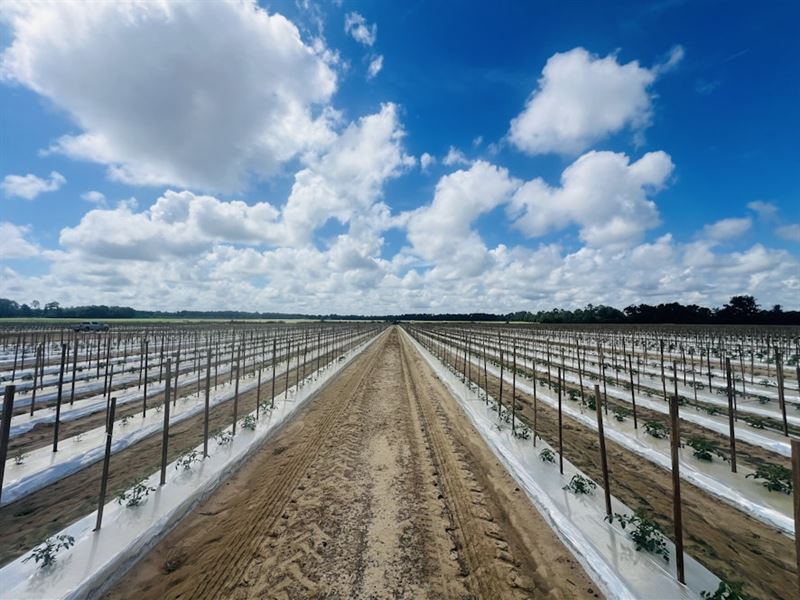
pixel 144 394
pixel 731 415
pixel 500 399
pixel 258 394
pixel 274 361
pixel 236 392
pixel 514 391
pixel 165 431
pixel 603 458
pixel 633 393
pixel 177 374
pixel 58 398
pixel 74 370
pixel 796 488
pixel 106 463
pixel 207 404
pixel 781 398
pixel 288 365
pixel 35 375
pixel 675 442
pixel 5 428
pixel 535 404
pixel 560 427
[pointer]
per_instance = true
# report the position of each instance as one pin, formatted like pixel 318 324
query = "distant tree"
pixel 51 306
pixel 8 308
pixel 739 309
pixel 36 304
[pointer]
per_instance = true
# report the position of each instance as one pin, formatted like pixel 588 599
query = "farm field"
pixel 458 460
pixel 326 300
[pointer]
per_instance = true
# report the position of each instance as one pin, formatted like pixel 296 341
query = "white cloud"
pixel 790 232
pixel 458 272
pixel 178 224
pixel 29 186
pixel 348 178
pixel 426 160
pixel 455 156
pixel 442 233
pixel 602 192
pixel 357 26
pixel 582 98
pixel 94 197
pixel 209 115
pixel 726 229
pixel 765 210
pixel 375 66
pixel 13 243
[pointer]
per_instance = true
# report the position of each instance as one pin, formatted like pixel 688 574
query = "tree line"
pixel 739 310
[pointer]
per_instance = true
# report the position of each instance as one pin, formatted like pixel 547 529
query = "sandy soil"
pixel 379 488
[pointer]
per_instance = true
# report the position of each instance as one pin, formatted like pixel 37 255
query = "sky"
pixel 383 157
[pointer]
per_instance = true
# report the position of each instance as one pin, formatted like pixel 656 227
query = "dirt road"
pixel 379 488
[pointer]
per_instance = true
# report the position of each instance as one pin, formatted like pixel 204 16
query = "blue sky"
pixel 504 157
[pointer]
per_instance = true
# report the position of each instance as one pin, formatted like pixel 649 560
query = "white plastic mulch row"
pixel 87 382
pixel 42 467
pixel 653 381
pixel 769 440
pixel 100 557
pixel 772 508
pixel 85 373
pixel 604 550
pixel 23 423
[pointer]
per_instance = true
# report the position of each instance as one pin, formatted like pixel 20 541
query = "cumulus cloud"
pixel 442 233
pixel 375 66
pixel 212 115
pixel 603 193
pixel 726 229
pixel 356 25
pixel 458 272
pixel 198 250
pixel 582 98
pixel 29 186
pixel 13 243
pixel 349 176
pixel 178 224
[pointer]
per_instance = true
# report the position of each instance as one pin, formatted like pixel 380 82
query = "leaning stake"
pixel 8 409
pixel 603 459
pixel 106 463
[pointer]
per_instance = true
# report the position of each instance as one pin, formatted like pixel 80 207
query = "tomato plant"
pixel 776 477
pixel 645 532
pixel 579 485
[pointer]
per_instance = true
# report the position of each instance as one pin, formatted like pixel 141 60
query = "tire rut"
pixel 272 505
